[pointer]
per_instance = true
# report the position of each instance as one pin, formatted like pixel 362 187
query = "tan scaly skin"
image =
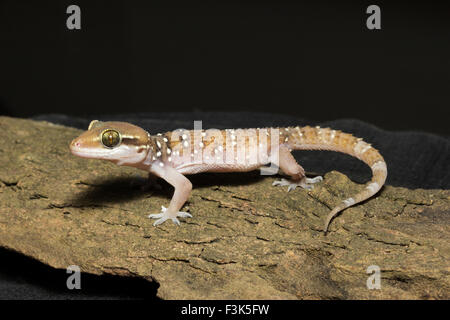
pixel 173 155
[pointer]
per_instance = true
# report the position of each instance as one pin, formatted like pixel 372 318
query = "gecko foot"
pixel 164 215
pixel 306 183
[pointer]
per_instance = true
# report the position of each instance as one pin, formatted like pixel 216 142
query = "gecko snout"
pixel 75 146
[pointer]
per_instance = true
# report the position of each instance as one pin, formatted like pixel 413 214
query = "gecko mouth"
pixel 77 150
pixel 89 154
pixel 83 153
pixel 120 153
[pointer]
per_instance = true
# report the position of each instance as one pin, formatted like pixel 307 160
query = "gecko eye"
pixel 111 138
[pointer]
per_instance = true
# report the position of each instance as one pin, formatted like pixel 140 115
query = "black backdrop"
pixel 312 59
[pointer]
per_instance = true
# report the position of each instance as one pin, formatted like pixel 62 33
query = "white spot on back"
pixel 333 134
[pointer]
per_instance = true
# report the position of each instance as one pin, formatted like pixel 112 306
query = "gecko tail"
pixel 316 138
pixel 379 171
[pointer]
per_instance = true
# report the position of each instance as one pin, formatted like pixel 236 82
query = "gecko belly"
pixel 217 167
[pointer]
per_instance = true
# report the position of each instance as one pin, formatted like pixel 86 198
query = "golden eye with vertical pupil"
pixel 111 138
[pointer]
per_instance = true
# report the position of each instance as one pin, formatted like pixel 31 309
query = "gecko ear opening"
pixel 95 124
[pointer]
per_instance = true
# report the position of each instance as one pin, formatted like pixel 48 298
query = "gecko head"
pixel 119 142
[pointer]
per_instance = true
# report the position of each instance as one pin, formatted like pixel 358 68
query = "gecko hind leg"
pixel 164 215
pixel 290 167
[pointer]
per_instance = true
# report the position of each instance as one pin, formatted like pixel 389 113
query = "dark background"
pixel 315 59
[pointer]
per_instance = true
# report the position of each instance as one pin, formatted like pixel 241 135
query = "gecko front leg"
pixel 183 189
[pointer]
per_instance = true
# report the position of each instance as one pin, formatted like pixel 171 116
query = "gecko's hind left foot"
pixel 164 215
pixel 305 183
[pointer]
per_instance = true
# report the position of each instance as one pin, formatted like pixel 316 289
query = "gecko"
pixel 173 155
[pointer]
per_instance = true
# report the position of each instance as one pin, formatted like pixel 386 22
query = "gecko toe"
pixel 155 215
pixel 184 214
pixel 282 182
pixel 159 221
pixel 305 183
pixel 314 180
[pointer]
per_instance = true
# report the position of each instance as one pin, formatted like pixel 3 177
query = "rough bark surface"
pixel 246 240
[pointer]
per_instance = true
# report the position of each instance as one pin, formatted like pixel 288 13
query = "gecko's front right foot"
pixel 306 183
pixel 165 215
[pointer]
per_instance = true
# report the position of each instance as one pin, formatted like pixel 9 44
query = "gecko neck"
pixel 158 153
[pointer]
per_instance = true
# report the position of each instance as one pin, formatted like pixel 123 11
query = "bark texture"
pixel 246 240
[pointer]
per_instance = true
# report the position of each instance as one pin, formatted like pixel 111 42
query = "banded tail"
pixel 316 138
